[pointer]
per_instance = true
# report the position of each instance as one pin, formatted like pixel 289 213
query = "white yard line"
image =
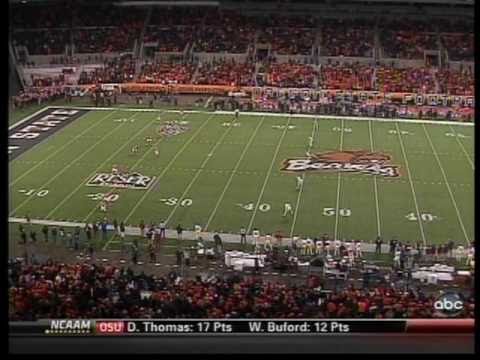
pixel 69 165
pixel 422 233
pixel 375 185
pixel 96 169
pixel 199 171
pixel 268 176
pixel 463 148
pixel 25 119
pixel 297 205
pixel 61 148
pixel 166 168
pixel 447 185
pixel 237 165
pixel 339 184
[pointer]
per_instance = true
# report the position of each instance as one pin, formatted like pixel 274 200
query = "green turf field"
pixel 223 177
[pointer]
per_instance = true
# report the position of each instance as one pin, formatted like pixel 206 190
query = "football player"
pixel 237 114
pixel 299 183
pixel 156 152
pixel 287 209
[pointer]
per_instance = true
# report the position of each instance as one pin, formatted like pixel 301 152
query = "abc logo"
pixel 449 304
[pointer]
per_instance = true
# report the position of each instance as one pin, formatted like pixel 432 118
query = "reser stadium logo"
pixel 128 181
pixel 362 161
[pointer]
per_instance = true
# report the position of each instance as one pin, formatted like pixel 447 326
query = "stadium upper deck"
pixel 324 50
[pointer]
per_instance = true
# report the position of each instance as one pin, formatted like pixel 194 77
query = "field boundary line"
pixel 255 113
pixel 165 169
pixel 415 201
pixel 234 171
pixel 304 174
pixel 199 171
pixel 463 148
pixel 99 166
pixel 28 117
pixel 50 180
pixel 76 137
pixel 375 184
pixel 268 175
pixel 339 185
pixel 447 185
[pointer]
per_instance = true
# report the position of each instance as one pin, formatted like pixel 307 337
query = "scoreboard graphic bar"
pixel 147 327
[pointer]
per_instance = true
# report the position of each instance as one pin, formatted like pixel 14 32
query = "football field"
pixel 359 178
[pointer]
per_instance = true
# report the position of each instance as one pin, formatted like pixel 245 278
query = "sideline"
pixel 254 113
pixel 172 234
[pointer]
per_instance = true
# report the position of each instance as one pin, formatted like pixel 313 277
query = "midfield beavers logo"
pixel 368 162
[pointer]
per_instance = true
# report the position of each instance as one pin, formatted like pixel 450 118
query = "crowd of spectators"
pixel 178 16
pixel 42 42
pixel 288 41
pixel 225 72
pixel 171 38
pixel 82 290
pixel 291 74
pixel 346 77
pixel 42 81
pixel 407 44
pixel 392 79
pixel 456 82
pixel 166 72
pixel 347 38
pixel 104 40
pixel 460 47
pixel 115 70
pixel 41 16
pixel 290 21
pixel 407 38
pixel 227 38
pixel 107 15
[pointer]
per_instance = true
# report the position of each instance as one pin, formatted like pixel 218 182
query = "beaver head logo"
pixel 351 157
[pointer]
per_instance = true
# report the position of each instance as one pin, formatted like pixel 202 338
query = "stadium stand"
pixel 347 38
pixel 225 72
pixel 346 77
pixel 291 74
pixel 56 290
pixel 166 73
pixel 42 42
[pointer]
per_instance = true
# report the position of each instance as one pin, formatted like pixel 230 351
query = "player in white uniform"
pixel 156 152
pixel 287 209
pixel 237 114
pixel 299 183
pixel 336 251
pixel 358 249
pixel 103 206
pixel 310 141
